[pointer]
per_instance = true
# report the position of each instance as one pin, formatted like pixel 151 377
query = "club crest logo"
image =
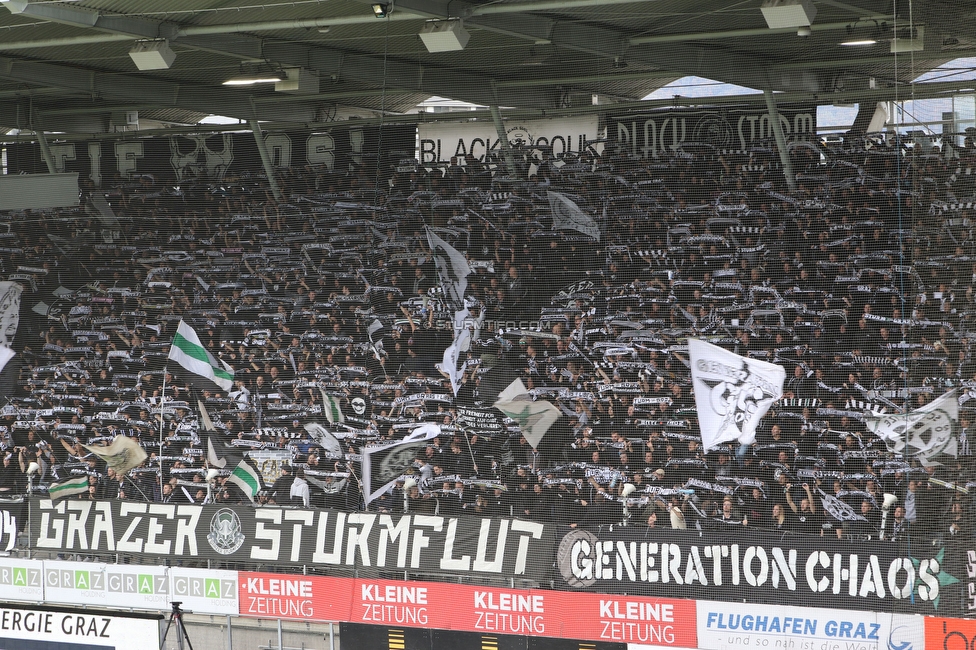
pixel 226 535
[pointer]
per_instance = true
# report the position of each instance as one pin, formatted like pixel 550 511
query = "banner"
pixel 647 134
pixel 205 591
pixel 181 158
pixel 760 568
pixel 93 584
pixel 738 625
pixel 67 630
pixel 439 142
pixel 949 633
pixel 383 466
pixel 470 608
pixel 21 580
pixel 366 541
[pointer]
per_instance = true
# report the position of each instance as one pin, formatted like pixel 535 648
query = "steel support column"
pixel 784 154
pixel 266 159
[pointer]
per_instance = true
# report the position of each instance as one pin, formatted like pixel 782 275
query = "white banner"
pixel 93 584
pixel 67 630
pixel 21 579
pixel 205 591
pixel 732 393
pixel 441 142
pixel 735 625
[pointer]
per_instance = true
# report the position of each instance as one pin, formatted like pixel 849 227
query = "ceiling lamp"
pixel 152 55
pixel 255 72
pixel 862 36
pixel 444 36
pixel 788 14
pixel 381 10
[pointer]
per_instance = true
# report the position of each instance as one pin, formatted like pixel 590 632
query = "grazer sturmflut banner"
pixel 181 158
pixel 365 541
pixel 646 134
pixel 760 568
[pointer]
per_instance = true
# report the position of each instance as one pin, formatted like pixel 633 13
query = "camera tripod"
pixel 181 635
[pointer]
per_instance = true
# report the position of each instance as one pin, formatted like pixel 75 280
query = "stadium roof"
pixel 65 65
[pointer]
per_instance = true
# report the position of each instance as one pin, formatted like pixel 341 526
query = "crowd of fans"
pixel 859 283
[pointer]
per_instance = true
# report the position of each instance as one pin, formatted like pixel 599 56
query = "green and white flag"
pixel 192 356
pixel 76 485
pixel 330 405
pixel 533 418
pixel 244 475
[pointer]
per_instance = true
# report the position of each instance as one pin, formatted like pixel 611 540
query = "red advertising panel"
pixel 628 619
pixel 278 595
pixel 486 610
pixel 950 633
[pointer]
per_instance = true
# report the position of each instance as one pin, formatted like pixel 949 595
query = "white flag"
pixel 566 215
pixel 452 268
pixel 926 433
pixel 452 355
pixel 534 418
pixel 732 393
pixel 9 311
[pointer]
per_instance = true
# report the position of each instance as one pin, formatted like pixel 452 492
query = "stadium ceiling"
pixel 65 65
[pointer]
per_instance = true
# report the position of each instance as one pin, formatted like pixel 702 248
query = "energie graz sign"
pixel 360 540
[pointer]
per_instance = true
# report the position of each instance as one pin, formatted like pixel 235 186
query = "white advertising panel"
pixel 441 142
pixel 723 626
pixel 107 585
pixel 205 592
pixel 21 580
pixel 30 628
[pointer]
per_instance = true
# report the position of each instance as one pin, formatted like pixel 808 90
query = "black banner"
pixel 365 541
pixel 646 134
pixel 182 158
pixel 12 520
pixel 751 566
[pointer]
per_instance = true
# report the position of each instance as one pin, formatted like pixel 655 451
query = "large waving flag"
pixel 121 455
pixel 927 433
pixel 383 466
pixel 452 268
pixel 732 393
pixel 566 215
pixel 193 357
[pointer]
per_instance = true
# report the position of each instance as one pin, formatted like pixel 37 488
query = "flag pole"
pixel 162 419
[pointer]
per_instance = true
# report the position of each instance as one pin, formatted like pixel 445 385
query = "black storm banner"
pixel 365 541
pixel 182 158
pixel 647 134
pixel 760 568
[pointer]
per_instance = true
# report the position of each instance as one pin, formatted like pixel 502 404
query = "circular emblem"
pixel 359 405
pixel 714 130
pixel 225 535
pixel 577 551
pixel 519 136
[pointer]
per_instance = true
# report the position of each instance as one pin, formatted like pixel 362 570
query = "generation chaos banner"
pixel 759 568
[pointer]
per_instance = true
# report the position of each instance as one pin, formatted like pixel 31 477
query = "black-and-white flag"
pixel 566 215
pixel 9 311
pixel 732 393
pixel 927 433
pixel 382 466
pixel 838 510
pixel 452 268
pixel 322 436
